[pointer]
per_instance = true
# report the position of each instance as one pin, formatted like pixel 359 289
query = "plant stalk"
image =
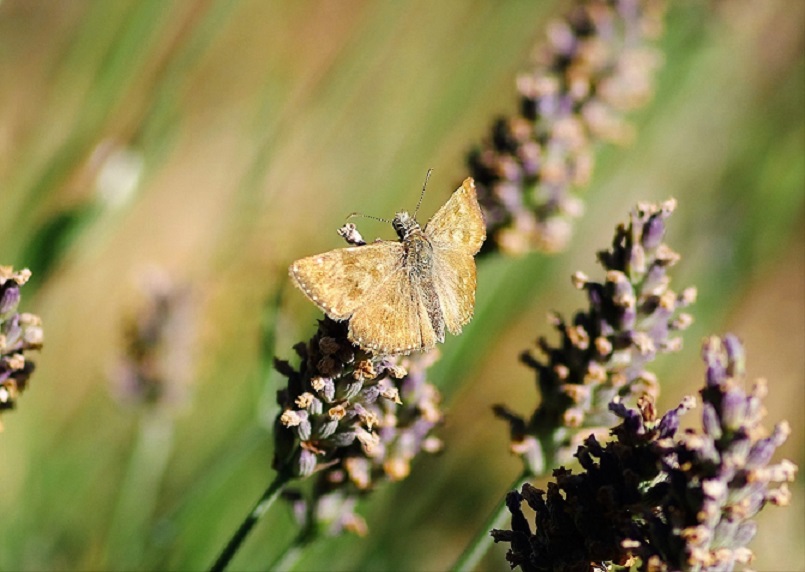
pixel 480 544
pixel 269 496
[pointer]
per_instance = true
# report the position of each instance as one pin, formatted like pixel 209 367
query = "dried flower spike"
pixel 156 369
pixel 603 352
pixel 655 500
pixel 19 333
pixel 596 65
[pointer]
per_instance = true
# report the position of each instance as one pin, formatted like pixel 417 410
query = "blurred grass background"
pixel 221 139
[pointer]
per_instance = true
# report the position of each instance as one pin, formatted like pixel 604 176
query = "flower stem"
pixel 268 498
pixel 290 556
pixel 480 544
pixel 140 490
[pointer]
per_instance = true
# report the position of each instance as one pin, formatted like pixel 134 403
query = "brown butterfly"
pixel 399 296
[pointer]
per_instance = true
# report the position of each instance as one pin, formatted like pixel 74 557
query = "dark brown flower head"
pixel 353 418
pixel 656 499
pixel 19 334
pixel 603 352
pixel 596 65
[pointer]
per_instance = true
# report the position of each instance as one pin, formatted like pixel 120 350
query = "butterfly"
pixel 399 296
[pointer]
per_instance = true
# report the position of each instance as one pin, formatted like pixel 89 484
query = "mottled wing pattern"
pixel 456 233
pixel 454 283
pixel 342 280
pixel 393 319
pixel 459 223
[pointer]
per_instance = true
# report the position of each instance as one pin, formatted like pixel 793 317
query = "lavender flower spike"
pixel 155 370
pixel 603 352
pixel 354 419
pixel 597 64
pixel 19 333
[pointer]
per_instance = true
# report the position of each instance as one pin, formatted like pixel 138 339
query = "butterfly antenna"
pixel 422 195
pixel 368 216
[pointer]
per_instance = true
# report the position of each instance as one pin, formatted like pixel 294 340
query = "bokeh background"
pixel 215 141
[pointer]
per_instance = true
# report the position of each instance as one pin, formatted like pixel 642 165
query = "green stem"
pixel 137 502
pixel 480 544
pixel 269 496
pixel 290 556
pixel 293 552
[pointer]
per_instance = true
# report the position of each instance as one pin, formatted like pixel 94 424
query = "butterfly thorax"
pixel 418 254
pixel 418 250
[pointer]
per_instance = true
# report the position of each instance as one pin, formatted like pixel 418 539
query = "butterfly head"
pixel 404 224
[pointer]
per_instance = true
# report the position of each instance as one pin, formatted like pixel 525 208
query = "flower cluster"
pixel 656 500
pixel 354 418
pixel 596 65
pixel 19 333
pixel 155 369
pixel 603 351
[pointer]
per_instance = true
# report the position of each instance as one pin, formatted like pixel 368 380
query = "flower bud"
pixel 305 463
pixel 19 333
pixel 9 299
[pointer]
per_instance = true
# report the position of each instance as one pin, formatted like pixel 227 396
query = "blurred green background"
pixel 220 139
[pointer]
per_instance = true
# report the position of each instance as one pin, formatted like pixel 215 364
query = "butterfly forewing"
pixel 340 281
pixel 459 223
pixel 393 318
pixel 456 233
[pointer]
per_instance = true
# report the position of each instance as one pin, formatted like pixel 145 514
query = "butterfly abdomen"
pixel 419 263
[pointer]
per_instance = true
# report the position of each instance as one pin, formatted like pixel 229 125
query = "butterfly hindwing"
pixel 394 318
pixel 454 283
pixel 342 280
